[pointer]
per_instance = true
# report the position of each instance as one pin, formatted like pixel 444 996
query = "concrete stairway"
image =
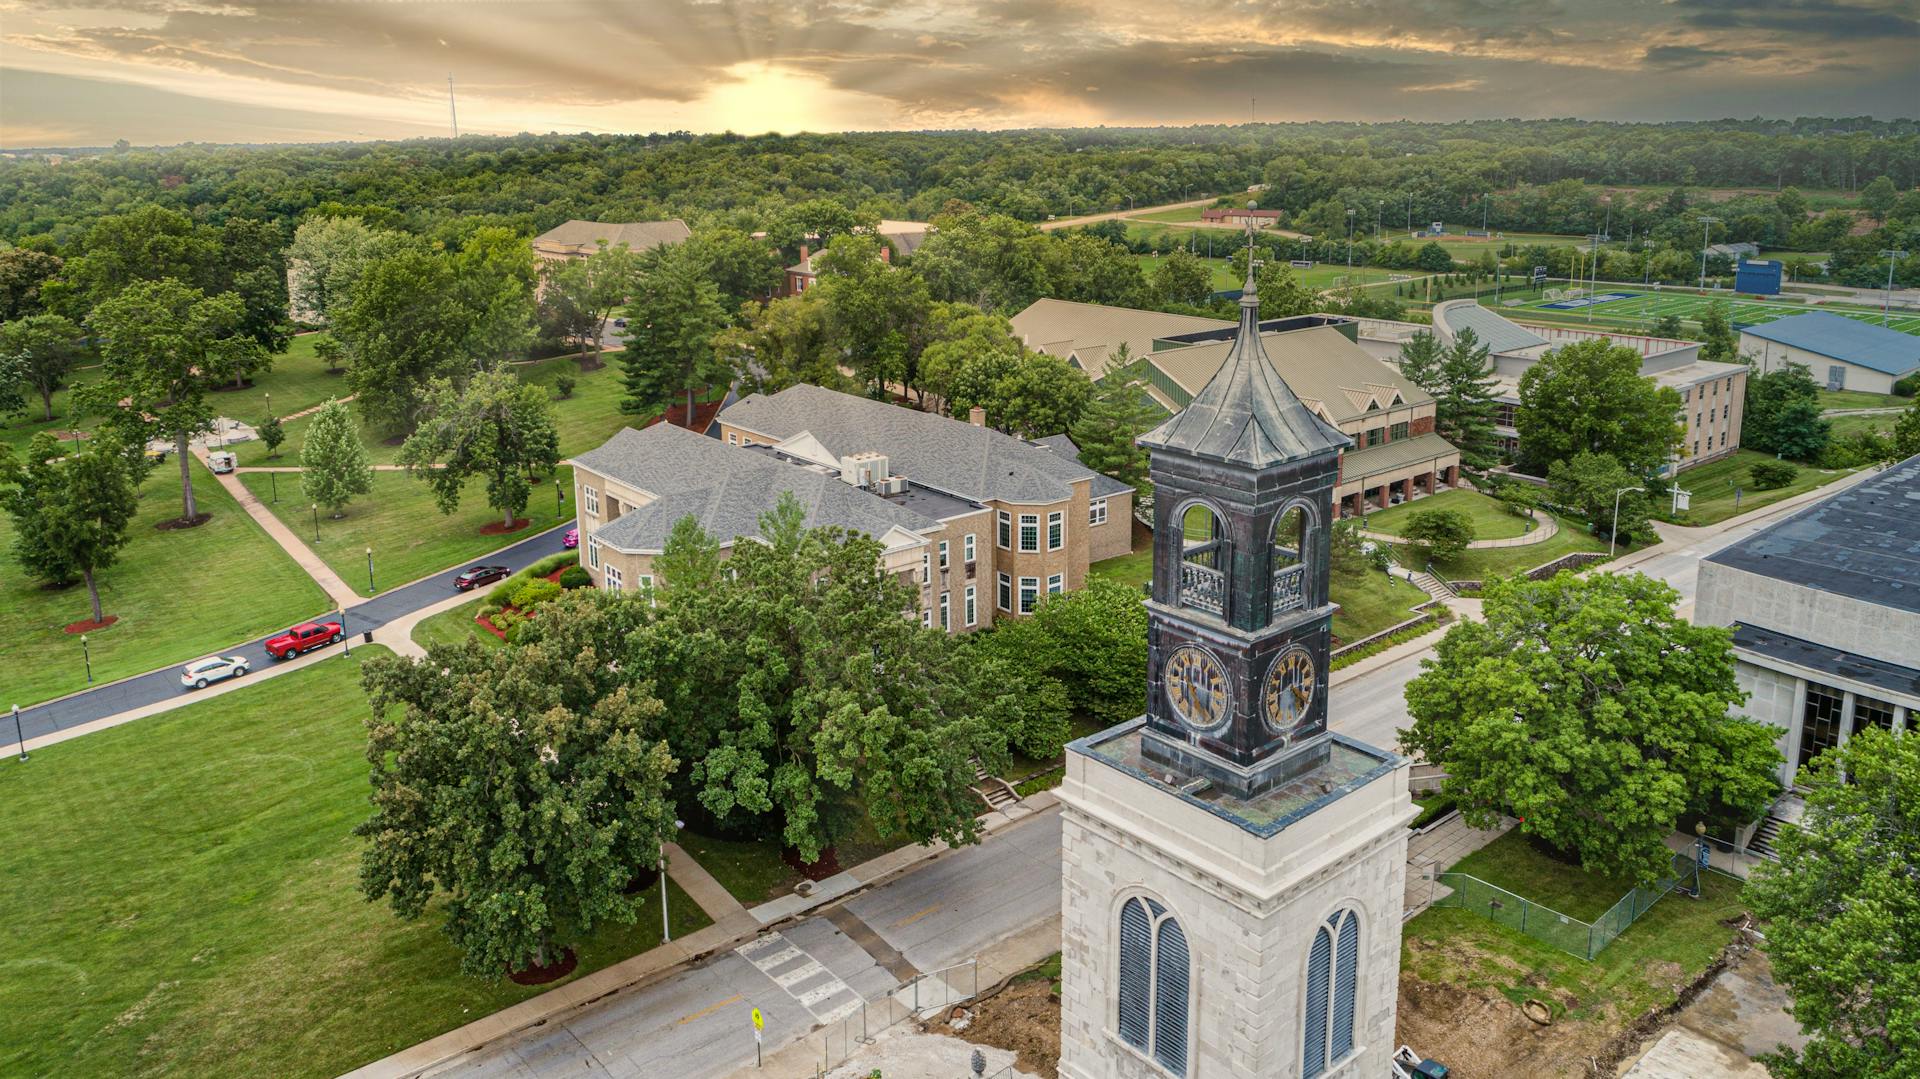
pixel 993 790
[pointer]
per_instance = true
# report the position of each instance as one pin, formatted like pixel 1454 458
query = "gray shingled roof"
pixel 726 489
pixel 947 455
pixel 1104 486
pixel 1247 416
pixel 1863 543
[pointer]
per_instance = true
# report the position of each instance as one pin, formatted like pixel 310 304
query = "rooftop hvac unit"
pixel 892 485
pixel 864 469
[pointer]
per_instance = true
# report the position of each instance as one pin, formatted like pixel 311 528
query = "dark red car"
pixel 304 637
pixel 479 575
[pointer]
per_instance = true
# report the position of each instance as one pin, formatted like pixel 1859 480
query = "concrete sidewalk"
pixel 1437 849
pixel 312 564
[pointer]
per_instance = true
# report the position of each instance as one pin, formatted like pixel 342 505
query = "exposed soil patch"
pixel 552 972
pixel 1481 1033
pixel 641 881
pixel 70 436
pixel 181 524
pixel 394 440
pixel 89 625
pixel 827 866
pixel 1025 1018
pixel 501 528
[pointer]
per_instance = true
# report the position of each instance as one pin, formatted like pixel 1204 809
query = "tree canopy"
pixel 496 427
pixel 1589 397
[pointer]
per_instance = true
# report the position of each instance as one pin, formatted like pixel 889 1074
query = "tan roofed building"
pixel 578 239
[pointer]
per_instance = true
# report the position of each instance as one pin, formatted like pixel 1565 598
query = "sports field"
pixel 1637 308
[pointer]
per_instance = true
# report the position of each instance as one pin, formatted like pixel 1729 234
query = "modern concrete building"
pixel 1233 873
pixel 1842 353
pixel 1712 395
pixel 1825 608
pixel 578 239
pixel 983 525
pixel 1395 454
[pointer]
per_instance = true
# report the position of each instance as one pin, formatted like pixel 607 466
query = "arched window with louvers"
pixel 1155 982
pixel 1333 978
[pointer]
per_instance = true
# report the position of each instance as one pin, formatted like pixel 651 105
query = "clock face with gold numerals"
pixel 1288 691
pixel 1197 688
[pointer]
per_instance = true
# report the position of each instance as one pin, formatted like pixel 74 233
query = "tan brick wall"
pixel 1720 411
pixel 1115 538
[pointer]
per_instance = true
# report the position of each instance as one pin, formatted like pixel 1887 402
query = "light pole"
pixel 556 499
pixel 1409 212
pixel 1483 214
pixel 1886 304
pixel 1349 241
pixel 316 522
pixel 346 640
pixel 1379 211
pixel 86 657
pixel 1608 231
pixel 18 737
pixel 1706 233
pixel 666 931
pixel 1613 531
pixel 273 480
pixel 369 574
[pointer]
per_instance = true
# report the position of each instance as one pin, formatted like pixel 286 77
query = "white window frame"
pixel 1056 530
pixel 1056 584
pixel 593 552
pixel 1029 520
pixel 1005 532
pixel 943 554
pixel 926 618
pixel 1029 595
pixel 590 499
pixel 970 607
pixel 615 582
pixel 1003 595
pixel 946 611
pixel 966 548
pixel 1097 512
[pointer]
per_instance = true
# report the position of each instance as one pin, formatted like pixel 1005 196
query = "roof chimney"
pixel 803 254
pixel 886 253
pixel 977 416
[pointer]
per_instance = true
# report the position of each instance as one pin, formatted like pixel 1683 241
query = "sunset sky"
pixel 87 72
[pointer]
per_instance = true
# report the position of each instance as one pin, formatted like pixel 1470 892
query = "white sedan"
pixel 197 674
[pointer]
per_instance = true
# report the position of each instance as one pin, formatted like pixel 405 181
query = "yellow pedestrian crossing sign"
pixel 759 1021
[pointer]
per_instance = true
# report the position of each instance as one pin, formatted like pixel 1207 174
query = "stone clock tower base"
pixel 1250 882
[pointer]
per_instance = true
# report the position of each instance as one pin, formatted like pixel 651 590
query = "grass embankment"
pixel 1716 485
pixel 1490 519
pixel 1859 399
pixel 177 595
pixel 455 625
pixel 187 891
pixel 1499 561
pixel 399 520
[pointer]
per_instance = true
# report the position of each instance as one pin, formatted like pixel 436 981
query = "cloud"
pixel 1826 20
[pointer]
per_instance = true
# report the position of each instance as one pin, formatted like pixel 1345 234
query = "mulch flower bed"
pixel 487 623
pixel 180 524
pixel 89 625
pixel 552 972
pixel 500 528
pixel 827 866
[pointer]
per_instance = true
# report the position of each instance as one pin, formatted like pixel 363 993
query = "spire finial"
pixel 1249 289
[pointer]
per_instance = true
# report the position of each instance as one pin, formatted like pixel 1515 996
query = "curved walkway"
pixel 1548 528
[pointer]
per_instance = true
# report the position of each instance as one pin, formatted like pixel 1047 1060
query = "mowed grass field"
pixel 1723 488
pixel 178 596
pixel 1640 307
pixel 1490 519
pixel 185 899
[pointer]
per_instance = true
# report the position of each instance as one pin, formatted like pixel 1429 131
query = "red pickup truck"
pixel 304 637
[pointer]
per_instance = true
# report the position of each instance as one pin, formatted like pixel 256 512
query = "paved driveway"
pixel 164 684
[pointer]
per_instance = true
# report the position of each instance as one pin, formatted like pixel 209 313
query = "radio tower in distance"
pixel 453 114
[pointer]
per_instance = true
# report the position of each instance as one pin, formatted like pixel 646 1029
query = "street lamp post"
pixel 556 499
pixel 1706 234
pixel 316 522
pixel 1613 531
pixel 369 573
pixel 1349 241
pixel 273 480
pixel 18 737
pixel 1886 304
pixel 346 639
pixel 666 931
pixel 86 657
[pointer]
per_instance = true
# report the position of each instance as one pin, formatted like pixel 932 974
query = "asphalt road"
pixel 164 684
pixel 695 1023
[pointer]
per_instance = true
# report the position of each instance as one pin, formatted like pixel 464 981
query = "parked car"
pixel 619 324
pixel 476 576
pixel 197 674
pixel 571 539
pixel 220 461
pixel 304 637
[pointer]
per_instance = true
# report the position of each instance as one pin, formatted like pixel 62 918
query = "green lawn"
pixel 1490 519
pixel 752 870
pixel 1133 570
pixel 178 595
pixel 1847 426
pixel 1370 603
pixel 409 536
pixel 1667 947
pixel 1177 214
pixel 454 626
pixel 1714 486
pixel 1860 399
pixel 1515 863
pixel 1492 561
pixel 186 897
pixel 585 420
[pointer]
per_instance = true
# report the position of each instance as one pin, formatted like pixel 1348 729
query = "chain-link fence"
pixel 1549 926
pixel 927 994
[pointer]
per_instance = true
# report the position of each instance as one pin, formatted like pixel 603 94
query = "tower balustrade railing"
pixel 1289 588
pixel 1203 588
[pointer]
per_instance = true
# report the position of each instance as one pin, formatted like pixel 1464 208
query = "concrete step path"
pixel 1436 850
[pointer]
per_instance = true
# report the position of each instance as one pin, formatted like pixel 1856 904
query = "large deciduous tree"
pixel 1588 709
pixel 1440 534
pixel 1782 414
pixel 526 786
pixel 333 460
pixel 1590 396
pixel 327 257
pixel 583 293
pixel 879 313
pixel 1842 907
pixel 23 271
pixel 1179 278
pixel 671 328
pixel 404 326
pixel 70 504
pixel 164 345
pixel 497 427
pixel 1593 484
pixel 496 272
pixel 41 350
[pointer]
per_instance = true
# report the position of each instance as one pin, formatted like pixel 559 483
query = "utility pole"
pixel 453 116
pixel 1349 244
pixel 1886 304
pixel 1706 234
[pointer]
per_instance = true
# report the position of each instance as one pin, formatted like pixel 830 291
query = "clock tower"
pixel 1239 616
